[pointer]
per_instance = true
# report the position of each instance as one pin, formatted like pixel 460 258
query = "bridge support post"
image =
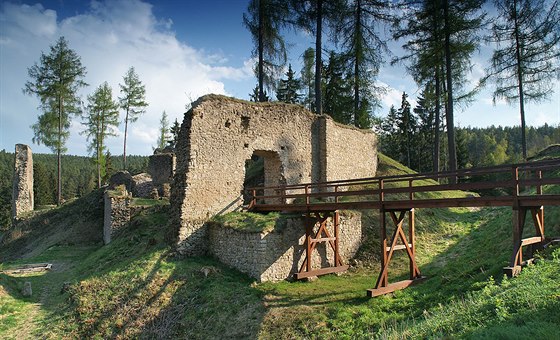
pixel 313 238
pixel 382 286
pixel 519 217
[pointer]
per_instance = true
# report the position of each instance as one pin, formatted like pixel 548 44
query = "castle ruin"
pixel 22 192
pixel 219 134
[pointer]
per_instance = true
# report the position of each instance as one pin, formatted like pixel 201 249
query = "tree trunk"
pixel 449 112
pixel 98 164
pixel 261 54
pixel 357 69
pixel 59 154
pixel 318 62
pixel 437 76
pixel 125 133
pixel 437 122
pixel 519 70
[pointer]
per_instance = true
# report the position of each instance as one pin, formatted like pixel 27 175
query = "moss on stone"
pixel 253 222
pixel 118 192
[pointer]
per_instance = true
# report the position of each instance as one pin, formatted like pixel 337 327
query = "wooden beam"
pixel 323 239
pixel 531 240
pixel 321 271
pixel 393 287
pixel 399 247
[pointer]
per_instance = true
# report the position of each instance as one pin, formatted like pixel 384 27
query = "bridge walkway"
pixel 397 197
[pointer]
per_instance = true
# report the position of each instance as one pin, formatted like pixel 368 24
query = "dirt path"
pixel 34 311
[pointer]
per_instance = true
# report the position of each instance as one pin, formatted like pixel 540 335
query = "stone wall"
pixel 350 152
pixel 278 255
pixel 22 193
pixel 219 134
pixel 116 212
pixel 161 167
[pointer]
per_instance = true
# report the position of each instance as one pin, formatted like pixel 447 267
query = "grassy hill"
pixel 137 286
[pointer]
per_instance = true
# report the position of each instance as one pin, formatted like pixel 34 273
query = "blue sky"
pixel 181 49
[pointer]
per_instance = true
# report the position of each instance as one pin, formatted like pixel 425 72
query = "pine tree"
pixel 174 130
pixel 288 88
pixel 133 102
pixel 264 19
pixel 109 169
pixel 254 96
pixel 526 60
pixel 56 81
pixel 101 119
pixel 407 125
pixel 425 113
pixel 388 138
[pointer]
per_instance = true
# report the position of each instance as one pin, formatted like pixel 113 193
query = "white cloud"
pixel 110 37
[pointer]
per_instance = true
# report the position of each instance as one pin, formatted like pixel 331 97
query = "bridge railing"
pixel 513 180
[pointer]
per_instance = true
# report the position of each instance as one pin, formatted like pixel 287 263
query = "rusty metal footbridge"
pixel 523 187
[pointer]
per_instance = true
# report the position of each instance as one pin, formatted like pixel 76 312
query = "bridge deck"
pixel 521 186
pixel 501 201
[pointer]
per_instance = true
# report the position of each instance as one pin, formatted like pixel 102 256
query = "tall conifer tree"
pixel 56 81
pixel 288 89
pixel 527 57
pixel 364 50
pixel 100 120
pixel 264 19
pixel 132 101
pixel 311 15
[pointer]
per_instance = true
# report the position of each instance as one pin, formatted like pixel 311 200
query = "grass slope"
pixel 137 287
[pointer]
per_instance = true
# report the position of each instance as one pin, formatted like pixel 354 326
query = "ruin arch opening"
pixel 264 168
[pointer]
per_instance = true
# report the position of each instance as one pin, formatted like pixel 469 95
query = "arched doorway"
pixel 264 168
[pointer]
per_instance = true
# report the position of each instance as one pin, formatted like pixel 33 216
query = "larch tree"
pixel 337 89
pixel 364 49
pixel 462 21
pixel 441 37
pixel 264 20
pixel 132 101
pixel 310 15
pixel 56 81
pixel 101 120
pixel 421 26
pixel 163 137
pixel 526 60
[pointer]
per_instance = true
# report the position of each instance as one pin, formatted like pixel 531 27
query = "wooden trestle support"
pixel 383 286
pixel 313 238
pixel 519 216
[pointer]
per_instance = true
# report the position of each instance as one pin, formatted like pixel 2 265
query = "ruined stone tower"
pixel 22 194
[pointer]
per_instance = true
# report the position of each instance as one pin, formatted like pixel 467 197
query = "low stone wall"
pixel 116 212
pixel 278 255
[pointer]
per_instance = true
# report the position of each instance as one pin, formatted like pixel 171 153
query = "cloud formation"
pixel 110 36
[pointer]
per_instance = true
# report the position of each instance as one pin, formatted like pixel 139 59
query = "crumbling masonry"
pixel 219 134
pixel 22 193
